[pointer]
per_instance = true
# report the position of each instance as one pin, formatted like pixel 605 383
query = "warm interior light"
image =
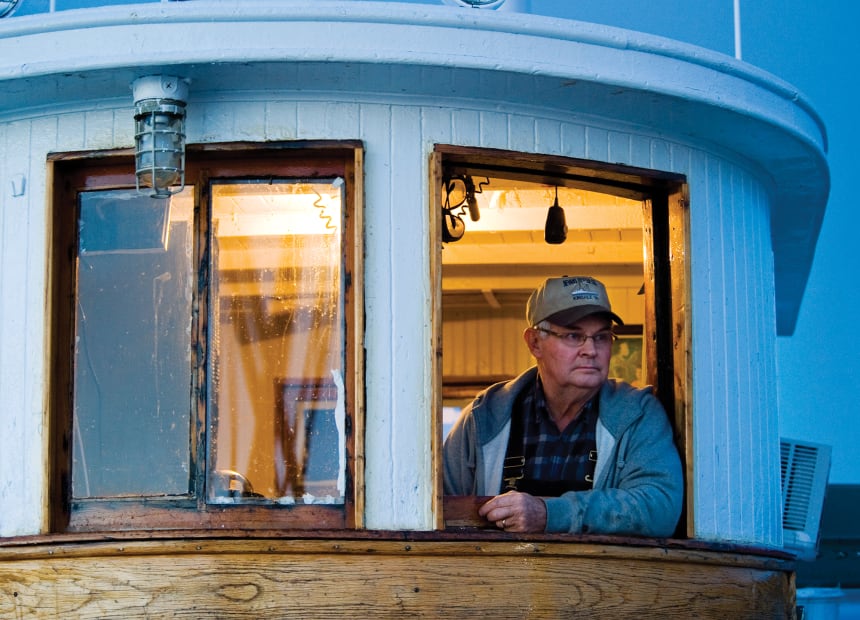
pixel 278 209
pixel 159 117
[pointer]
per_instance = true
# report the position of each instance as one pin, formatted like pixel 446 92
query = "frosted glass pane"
pixel 132 354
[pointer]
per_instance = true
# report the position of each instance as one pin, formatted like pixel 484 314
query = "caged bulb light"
pixel 159 134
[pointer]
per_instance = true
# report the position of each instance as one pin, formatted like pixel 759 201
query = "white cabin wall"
pixel 398 323
pixel 734 401
pixel 736 441
pixel 21 487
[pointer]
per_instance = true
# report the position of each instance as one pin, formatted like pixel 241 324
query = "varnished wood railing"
pixel 456 573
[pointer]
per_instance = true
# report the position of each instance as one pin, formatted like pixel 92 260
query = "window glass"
pixel 204 344
pixel 132 345
pixel 276 342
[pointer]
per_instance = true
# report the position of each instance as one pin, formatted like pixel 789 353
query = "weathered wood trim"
pixel 682 340
pixel 649 329
pixel 355 333
pixel 387 577
pixel 435 219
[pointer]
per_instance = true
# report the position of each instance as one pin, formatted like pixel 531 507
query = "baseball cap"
pixel 564 301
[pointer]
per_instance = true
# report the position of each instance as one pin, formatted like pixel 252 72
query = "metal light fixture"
pixel 555 230
pixel 159 134
pixel 460 195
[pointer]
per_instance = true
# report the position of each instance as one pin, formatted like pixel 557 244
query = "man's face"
pixel 565 364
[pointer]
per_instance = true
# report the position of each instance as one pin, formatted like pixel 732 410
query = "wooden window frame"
pixel 667 323
pixel 70 173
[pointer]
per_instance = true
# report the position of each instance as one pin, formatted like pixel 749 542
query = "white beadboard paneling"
pixel 733 343
pixel 573 140
pixel 22 272
pixel 281 120
pixel 661 158
pixel 211 122
pixel 249 121
pixel 98 129
pixel 70 132
pixel 596 143
pixel 708 360
pixel 408 263
pixel 732 293
pixel 547 136
pixel 123 126
pixel 521 133
pixel 437 126
pixel 769 517
pixel 319 119
pixel 376 127
pixel 43 138
pixel 680 159
pixel 640 151
pixel 494 129
pixel 618 146
pixel 399 363
pixel 18 429
pixel 466 125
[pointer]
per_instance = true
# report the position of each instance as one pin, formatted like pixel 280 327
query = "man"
pixel 562 448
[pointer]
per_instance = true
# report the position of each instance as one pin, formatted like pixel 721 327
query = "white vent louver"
pixel 805 469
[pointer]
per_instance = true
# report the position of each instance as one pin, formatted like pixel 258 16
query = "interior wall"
pixel 486 343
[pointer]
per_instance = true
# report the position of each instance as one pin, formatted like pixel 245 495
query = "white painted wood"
pixel 735 409
pixel 325 72
pixel 734 414
pixel 22 323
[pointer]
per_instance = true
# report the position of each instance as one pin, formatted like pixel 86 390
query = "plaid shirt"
pixel 553 455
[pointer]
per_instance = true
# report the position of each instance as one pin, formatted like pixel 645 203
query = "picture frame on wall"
pixel 628 358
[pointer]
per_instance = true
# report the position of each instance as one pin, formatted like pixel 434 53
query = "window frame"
pixel 667 332
pixel 71 173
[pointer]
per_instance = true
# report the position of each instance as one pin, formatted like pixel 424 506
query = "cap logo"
pixel 583 289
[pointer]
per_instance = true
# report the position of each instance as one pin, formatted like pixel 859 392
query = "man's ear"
pixel 533 341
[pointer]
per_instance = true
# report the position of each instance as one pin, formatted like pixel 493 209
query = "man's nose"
pixel 588 347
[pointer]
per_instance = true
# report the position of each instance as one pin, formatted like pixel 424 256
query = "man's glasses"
pixel 578 339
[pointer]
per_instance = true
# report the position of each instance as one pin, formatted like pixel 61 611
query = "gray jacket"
pixel 638 483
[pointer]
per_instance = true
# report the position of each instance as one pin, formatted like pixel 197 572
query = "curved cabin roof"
pixel 390 50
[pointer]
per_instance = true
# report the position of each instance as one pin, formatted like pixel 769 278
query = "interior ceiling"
pixel 503 254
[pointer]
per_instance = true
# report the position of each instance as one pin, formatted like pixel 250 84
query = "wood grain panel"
pixel 373 578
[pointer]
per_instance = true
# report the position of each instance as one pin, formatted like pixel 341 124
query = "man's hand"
pixel 516 512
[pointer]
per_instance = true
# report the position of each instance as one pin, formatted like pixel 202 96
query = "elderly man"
pixel 562 448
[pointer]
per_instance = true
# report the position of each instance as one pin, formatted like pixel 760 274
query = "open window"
pixel 206 373
pixel 506 221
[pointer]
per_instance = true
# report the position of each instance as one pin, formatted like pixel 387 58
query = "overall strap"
pixel 513 471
